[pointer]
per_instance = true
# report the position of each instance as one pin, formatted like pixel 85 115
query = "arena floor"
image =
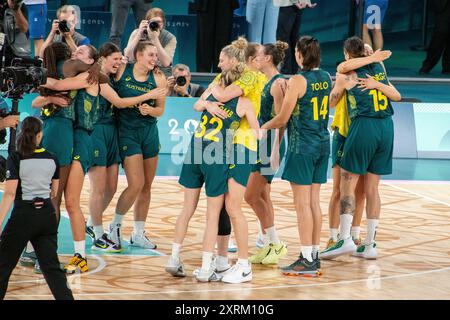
pixel 413 240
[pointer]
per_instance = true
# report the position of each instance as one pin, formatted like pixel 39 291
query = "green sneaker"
pixel 342 247
pixel 366 251
pixel 260 254
pixel 301 267
pixel 276 252
pixel 28 259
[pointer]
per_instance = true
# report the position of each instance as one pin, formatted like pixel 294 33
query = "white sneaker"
pixel 260 240
pixel 366 251
pixel 115 233
pixel 141 241
pixel 206 275
pixel 175 267
pixel 238 274
pixel 340 248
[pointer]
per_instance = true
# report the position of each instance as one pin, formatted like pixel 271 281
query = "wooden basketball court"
pixel 413 245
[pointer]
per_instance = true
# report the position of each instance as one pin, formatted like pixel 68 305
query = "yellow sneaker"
pixel 276 252
pixel 260 254
pixel 330 243
pixel 76 262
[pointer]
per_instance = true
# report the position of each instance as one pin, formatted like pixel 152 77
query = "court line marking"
pixel 243 289
pixel 417 194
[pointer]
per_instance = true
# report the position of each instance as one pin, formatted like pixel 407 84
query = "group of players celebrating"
pixel 100 109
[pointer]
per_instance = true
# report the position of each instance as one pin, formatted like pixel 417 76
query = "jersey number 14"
pixel 323 108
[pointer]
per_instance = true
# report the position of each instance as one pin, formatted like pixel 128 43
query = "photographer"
pixel 32 180
pixel 180 85
pixel 14 24
pixel 152 29
pixel 63 30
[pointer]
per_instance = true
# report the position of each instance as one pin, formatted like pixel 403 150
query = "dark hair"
pixel 251 50
pixel 309 48
pixel 354 46
pixel 276 51
pixel 26 141
pixel 54 53
pixel 108 49
pixel 94 71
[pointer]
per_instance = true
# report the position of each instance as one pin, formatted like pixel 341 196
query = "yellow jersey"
pixel 252 84
pixel 341 120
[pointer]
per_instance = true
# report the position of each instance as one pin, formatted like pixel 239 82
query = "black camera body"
pixel 181 81
pixel 154 26
pixel 63 26
pixel 24 76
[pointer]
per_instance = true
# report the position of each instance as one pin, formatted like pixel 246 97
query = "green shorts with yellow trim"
pixel 369 146
pixel 337 148
pixel 83 149
pixel 263 165
pixel 141 140
pixel 305 169
pixel 195 172
pixel 241 164
pixel 106 145
pixel 58 139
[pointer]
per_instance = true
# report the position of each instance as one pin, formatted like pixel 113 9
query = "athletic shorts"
pixel 305 169
pixel 374 15
pixel 369 146
pixel 106 145
pixel 214 176
pixel 83 149
pixel 37 17
pixel 58 139
pixel 144 140
pixel 337 148
pixel 241 164
pixel 263 163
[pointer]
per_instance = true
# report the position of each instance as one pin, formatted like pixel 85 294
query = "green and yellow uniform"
pixel 245 143
pixel 267 112
pixel 206 161
pixel 340 125
pixel 105 136
pixel 370 141
pixel 58 127
pixel 138 134
pixel 308 137
pixel 86 115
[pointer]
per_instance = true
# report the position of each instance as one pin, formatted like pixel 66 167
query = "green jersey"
pixel 308 125
pixel 128 86
pixel 106 112
pixel 87 109
pixel 215 130
pixel 267 111
pixel 57 111
pixel 370 103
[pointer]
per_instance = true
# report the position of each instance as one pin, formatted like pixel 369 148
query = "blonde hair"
pixel 236 50
pixel 67 9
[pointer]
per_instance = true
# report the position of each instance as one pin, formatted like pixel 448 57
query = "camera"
pixel 23 76
pixel 181 81
pixel 154 26
pixel 16 3
pixel 63 26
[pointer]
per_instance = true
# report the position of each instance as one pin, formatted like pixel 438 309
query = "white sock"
pixel 80 247
pixel 222 262
pixel 266 239
pixel 29 248
pixel 98 230
pixel 273 237
pixel 334 234
pixel 117 219
pixel 176 250
pixel 355 232
pixel 206 260
pixel 372 225
pixel 139 227
pixel 89 223
pixel 307 253
pixel 346 224
pixel 243 262
pixel 315 251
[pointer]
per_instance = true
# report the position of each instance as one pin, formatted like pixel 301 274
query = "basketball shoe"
pixel 141 241
pixel 104 244
pixel 238 274
pixel 366 251
pixel 340 248
pixel 301 267
pixel 276 252
pixel 175 267
pixel 75 263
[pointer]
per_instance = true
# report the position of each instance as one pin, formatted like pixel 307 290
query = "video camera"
pixel 23 76
pixel 16 3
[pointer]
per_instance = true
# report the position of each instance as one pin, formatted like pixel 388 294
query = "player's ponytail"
pixel 309 49
pixel 27 139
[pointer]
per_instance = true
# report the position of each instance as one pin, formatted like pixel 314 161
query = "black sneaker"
pixel 104 244
pixel 301 267
pixel 90 232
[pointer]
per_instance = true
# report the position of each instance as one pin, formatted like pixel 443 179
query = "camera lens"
pixel 154 26
pixel 181 81
pixel 63 26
